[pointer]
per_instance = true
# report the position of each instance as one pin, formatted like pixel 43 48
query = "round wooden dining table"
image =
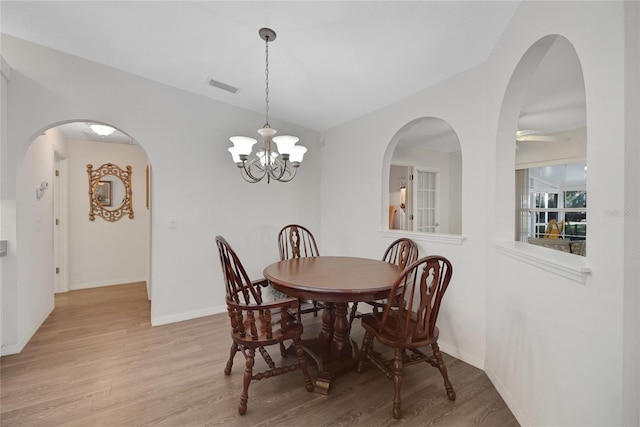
pixel 335 281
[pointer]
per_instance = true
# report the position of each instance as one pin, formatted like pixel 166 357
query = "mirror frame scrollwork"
pixel 97 175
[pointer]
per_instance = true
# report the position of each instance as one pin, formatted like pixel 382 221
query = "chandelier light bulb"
pixel 262 158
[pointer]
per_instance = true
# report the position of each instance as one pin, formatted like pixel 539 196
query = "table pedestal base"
pixel 333 351
pixel 323 382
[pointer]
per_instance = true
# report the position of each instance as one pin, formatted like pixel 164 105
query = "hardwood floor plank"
pixel 96 361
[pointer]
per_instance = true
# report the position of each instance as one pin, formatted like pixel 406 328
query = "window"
pixel 546 203
pixel 554 206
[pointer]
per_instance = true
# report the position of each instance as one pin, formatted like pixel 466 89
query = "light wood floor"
pixel 96 361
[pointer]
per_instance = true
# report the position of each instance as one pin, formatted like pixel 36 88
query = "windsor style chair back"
pixel 296 241
pixel 256 324
pixel 408 323
pixel 401 252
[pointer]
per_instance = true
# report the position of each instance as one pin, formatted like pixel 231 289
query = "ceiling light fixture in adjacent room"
pixel 102 130
pixel 280 165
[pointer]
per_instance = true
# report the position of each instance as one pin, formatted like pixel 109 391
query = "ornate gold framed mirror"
pixel 110 195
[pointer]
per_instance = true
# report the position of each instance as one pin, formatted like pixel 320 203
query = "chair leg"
pixel 248 374
pixel 367 344
pixel 283 350
pixel 300 309
pixel 443 370
pixel 303 364
pixel 232 353
pixel 267 357
pixel 352 315
pixel 397 381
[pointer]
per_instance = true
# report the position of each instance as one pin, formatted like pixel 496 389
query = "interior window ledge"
pixel 563 264
pixel 451 239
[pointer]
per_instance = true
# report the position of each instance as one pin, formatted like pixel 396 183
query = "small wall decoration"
pixel 110 195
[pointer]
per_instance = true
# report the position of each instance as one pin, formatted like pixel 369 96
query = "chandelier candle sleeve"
pixel 280 165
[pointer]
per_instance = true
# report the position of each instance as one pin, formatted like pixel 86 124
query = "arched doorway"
pixel 86 252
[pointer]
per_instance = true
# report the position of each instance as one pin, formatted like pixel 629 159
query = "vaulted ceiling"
pixel 331 62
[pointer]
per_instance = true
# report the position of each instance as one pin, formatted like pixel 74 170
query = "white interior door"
pixel 425 191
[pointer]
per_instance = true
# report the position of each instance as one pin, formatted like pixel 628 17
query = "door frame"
pixel 60 223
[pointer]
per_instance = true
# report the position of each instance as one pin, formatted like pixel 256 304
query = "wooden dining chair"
pixel 401 252
pixel 256 324
pixel 296 241
pixel 408 323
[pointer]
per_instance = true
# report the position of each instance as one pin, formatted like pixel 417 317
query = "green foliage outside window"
pixel 575 199
pixel 575 227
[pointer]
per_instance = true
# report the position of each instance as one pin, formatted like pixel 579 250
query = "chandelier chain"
pixel 266 80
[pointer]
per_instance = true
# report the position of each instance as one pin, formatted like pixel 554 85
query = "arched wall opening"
pixel 422 179
pixel 542 130
pixel 53 229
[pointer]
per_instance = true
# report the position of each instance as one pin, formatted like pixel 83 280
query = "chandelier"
pixel 280 165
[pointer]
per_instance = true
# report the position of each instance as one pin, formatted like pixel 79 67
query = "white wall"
pixel 35 270
pixel 193 179
pixel 542 331
pixel 631 295
pixel 103 252
pixel 455 192
pixel 551 341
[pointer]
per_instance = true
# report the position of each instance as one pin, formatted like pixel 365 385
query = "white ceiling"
pixel 555 100
pixel 331 62
pixel 429 133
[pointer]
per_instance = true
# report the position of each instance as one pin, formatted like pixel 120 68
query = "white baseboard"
pixel 444 346
pixel 179 317
pixel 76 286
pixel 17 348
pixel 512 403
pixel 461 355
pixel 500 388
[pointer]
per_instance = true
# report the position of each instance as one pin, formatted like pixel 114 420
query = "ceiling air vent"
pixel 221 85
